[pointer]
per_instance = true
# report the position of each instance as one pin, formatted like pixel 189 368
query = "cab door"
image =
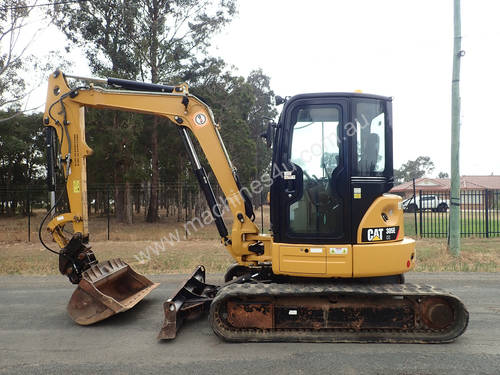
pixel 311 185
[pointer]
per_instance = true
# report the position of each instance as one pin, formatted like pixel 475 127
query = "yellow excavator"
pixel 332 268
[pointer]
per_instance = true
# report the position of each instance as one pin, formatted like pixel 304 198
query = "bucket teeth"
pixel 104 269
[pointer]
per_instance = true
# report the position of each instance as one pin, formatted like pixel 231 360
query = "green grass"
pixel 476 255
pixel 436 224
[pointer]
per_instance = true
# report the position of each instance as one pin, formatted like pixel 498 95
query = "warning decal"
pixel 76 186
pixel 338 250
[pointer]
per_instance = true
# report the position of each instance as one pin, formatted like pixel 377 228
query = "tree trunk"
pixel 138 200
pixel 153 201
pixel 128 199
pixel 179 198
pixel 189 205
pixel 118 179
pixel 119 207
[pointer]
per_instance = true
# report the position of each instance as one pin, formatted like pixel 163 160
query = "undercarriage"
pixel 255 307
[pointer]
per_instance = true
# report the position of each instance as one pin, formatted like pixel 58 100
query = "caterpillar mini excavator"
pixel 332 269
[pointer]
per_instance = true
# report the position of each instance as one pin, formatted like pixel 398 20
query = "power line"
pixel 43 5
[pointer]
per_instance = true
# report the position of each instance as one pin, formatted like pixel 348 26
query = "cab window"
pixel 369 122
pixel 317 149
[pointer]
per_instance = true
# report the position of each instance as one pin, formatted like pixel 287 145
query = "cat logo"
pixel 380 234
pixel 375 234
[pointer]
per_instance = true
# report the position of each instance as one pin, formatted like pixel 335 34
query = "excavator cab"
pixel 334 155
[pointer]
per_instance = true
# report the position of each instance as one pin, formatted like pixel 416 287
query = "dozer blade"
pixel 189 302
pixel 106 289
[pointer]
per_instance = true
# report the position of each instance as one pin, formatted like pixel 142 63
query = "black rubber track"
pixel 250 290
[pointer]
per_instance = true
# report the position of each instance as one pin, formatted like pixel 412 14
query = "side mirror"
pixel 268 135
pixel 278 100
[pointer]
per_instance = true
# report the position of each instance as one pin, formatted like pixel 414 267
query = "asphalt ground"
pixel 37 336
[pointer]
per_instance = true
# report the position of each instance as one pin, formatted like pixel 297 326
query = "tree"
pixel 169 34
pixel 15 60
pixel 12 19
pixel 443 175
pixel 241 105
pixel 21 158
pixel 261 111
pixel 417 168
pixel 162 41
pixel 154 39
pixel 103 28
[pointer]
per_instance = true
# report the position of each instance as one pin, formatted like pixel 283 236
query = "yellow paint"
pixel 386 258
pixel 390 205
pixel 312 260
pixel 339 262
pixel 301 260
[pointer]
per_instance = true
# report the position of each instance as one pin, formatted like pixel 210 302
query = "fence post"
pixel 415 211
pixel 486 216
pixel 261 212
pixel 28 210
pixel 420 210
pixel 108 208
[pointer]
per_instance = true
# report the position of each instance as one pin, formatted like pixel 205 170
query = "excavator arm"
pixel 64 113
pixel 110 287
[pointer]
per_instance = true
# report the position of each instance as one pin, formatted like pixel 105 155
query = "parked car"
pixel 429 202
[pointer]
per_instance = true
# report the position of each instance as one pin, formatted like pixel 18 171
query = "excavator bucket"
pixel 106 289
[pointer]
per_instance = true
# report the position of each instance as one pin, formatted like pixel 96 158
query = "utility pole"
pixel 454 233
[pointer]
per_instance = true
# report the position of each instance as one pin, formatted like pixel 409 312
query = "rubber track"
pixel 238 291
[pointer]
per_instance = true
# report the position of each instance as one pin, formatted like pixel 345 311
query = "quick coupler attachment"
pixel 190 302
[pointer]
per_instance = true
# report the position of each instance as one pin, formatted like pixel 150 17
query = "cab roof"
pixel 356 95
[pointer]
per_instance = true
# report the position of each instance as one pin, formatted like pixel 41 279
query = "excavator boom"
pixel 105 289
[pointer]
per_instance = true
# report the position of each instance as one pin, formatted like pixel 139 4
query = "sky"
pixel 397 48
